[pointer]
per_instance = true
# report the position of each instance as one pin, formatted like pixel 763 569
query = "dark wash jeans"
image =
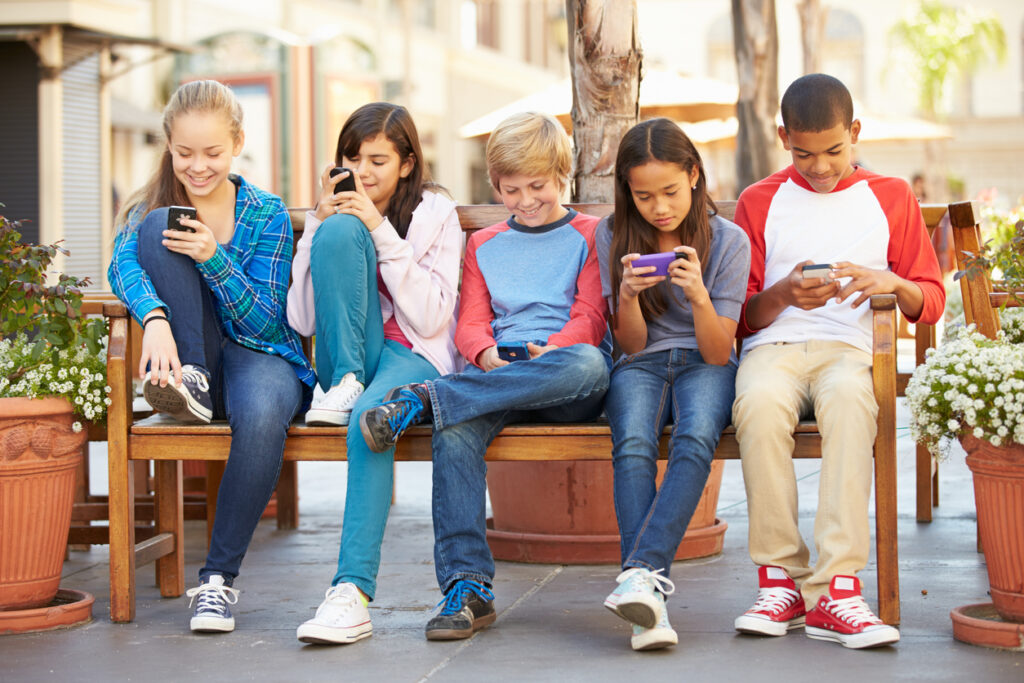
pixel 564 385
pixel 647 391
pixel 256 392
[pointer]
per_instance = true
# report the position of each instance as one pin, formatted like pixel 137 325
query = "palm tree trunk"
pixel 605 60
pixel 756 41
pixel 812 32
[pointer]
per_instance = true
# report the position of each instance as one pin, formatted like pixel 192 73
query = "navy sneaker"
pixel 213 598
pixel 466 608
pixel 402 408
pixel 189 402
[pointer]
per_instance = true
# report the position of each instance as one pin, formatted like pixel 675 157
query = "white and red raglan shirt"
pixel 868 219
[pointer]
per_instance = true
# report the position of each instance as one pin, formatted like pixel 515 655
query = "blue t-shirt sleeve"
pixel 732 261
pixel 603 245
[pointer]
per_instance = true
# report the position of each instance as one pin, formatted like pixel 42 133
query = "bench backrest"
pixel 982 298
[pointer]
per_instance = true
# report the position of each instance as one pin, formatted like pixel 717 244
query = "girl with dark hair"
pixel 375 277
pixel 209 293
pixel 678 365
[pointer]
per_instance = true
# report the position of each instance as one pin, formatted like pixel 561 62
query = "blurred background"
pixel 939 88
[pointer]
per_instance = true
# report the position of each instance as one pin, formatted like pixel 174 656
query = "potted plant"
pixel 971 389
pixel 52 377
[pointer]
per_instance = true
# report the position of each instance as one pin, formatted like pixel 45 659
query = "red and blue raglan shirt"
pixel 868 219
pixel 523 284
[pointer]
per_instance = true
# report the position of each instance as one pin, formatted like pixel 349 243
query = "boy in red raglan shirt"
pixel 807 350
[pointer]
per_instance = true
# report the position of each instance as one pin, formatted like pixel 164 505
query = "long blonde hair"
pixel 163 189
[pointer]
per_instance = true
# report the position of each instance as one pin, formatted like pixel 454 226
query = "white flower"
pixel 76 427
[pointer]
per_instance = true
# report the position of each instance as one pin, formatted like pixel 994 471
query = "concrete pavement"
pixel 551 624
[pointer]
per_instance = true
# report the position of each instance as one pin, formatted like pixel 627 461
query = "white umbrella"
pixel 662 93
pixel 873 128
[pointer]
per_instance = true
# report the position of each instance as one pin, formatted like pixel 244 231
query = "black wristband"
pixel 152 318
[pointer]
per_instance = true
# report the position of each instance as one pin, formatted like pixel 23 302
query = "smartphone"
pixel 346 184
pixel 513 352
pixel 176 212
pixel 817 270
pixel 659 261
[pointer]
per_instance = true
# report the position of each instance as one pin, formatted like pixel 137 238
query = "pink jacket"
pixel 421 273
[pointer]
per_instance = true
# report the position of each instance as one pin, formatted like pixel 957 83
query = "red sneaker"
pixel 844 616
pixel 779 606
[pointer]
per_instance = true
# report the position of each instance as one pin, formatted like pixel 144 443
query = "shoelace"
pixel 212 598
pixel 660 583
pixel 342 596
pixel 197 376
pixel 340 398
pixel 775 599
pixel 853 610
pixel 403 410
pixel 454 600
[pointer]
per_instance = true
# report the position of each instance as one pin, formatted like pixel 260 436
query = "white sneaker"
pixel 213 611
pixel 341 618
pixel 336 407
pixel 662 635
pixel 637 598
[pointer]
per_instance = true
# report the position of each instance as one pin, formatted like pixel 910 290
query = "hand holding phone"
pixel 513 351
pixel 660 261
pixel 175 213
pixel 346 184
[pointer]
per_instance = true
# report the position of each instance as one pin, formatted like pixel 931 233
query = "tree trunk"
pixel 756 42
pixel 812 32
pixel 604 59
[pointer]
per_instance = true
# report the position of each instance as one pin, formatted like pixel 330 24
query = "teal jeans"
pixel 350 338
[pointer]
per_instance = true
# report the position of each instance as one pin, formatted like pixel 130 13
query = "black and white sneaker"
pixel 401 408
pixel 189 402
pixel 467 607
pixel 213 598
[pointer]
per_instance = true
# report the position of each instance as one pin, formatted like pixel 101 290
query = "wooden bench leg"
pixel 288 496
pixel 170 518
pixel 121 511
pixel 886 551
pixel 926 497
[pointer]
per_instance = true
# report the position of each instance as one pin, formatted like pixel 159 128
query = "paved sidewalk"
pixel 551 624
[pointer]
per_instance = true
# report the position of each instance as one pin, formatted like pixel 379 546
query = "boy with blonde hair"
pixel 531 283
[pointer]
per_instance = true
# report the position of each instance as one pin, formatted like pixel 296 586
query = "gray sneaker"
pixel 467 607
pixel 402 408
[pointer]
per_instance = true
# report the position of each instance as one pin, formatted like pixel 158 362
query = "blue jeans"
pixel 648 390
pixel 563 385
pixel 349 326
pixel 256 392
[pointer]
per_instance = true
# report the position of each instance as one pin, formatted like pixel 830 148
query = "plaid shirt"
pixel 248 277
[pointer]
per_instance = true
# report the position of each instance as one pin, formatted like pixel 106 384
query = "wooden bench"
pixel 168 443
pixel 982 297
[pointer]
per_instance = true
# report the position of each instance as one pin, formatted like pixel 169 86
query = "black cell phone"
pixel 513 352
pixel 346 184
pixel 176 212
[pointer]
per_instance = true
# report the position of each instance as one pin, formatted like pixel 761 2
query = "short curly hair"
pixel 816 102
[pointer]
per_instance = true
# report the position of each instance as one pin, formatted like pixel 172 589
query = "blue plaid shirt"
pixel 248 277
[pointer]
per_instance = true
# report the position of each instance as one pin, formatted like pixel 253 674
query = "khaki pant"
pixel 777 384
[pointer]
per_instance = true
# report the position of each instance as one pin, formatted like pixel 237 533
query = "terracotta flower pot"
pixel 999 498
pixel 564 513
pixel 39 454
